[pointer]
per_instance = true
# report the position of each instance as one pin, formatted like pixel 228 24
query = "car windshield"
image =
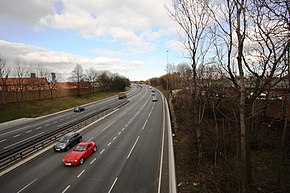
pixel 64 139
pixel 80 148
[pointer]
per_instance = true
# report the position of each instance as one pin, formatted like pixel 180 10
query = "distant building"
pixel 25 84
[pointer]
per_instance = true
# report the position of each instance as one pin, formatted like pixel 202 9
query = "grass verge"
pixel 32 109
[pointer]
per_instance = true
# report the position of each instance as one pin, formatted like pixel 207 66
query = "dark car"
pixel 67 141
pixel 79 109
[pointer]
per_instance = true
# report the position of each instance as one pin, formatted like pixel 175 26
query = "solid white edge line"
pixel 113 185
pixel 162 149
pixel 27 185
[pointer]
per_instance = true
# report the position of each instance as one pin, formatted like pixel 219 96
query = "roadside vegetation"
pixel 32 109
pixel 230 99
pixel 219 168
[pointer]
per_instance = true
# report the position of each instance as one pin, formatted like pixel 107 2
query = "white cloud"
pixel 175 45
pixel 28 11
pixel 131 28
pixel 63 62
pixel 135 23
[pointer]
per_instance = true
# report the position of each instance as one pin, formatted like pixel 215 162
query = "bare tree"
pixel 91 76
pixel 4 73
pixel 193 18
pixel 77 75
pixel 21 71
pixel 105 81
pixel 52 82
pixel 255 37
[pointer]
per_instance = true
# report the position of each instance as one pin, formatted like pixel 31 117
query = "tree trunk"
pixel 285 128
pixel 244 108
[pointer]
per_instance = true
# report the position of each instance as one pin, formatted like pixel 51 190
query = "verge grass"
pixel 32 109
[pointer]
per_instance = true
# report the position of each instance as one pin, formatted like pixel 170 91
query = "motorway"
pixel 130 156
pixel 11 137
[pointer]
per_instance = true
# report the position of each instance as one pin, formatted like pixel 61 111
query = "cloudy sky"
pixel 129 37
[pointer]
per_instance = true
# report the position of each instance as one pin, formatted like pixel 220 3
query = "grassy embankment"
pixel 32 109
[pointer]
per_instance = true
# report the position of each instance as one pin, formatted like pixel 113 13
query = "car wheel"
pixel 82 161
pixel 95 148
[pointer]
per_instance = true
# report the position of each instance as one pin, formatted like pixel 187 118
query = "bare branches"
pixel 193 18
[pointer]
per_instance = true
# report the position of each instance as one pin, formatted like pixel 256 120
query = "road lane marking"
pixel 81 173
pixel 16 135
pixel 3 140
pixel 15 130
pixel 93 161
pixel 114 138
pixel 113 185
pixel 61 125
pixel 27 185
pixel 133 147
pixel 23 140
pixel 119 133
pixel 66 189
pixel 145 124
pixel 102 151
pixel 109 144
pixel 149 114
pixel 47 124
pixel 38 128
pixel 28 131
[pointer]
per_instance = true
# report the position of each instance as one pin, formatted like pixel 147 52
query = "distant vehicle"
pixel 154 99
pixel 150 87
pixel 262 96
pixel 79 109
pixel 67 141
pixel 122 95
pixel 81 152
pixel 274 98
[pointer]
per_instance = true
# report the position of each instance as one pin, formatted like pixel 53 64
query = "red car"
pixel 78 155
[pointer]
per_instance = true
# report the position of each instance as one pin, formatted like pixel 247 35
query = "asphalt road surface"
pixel 130 156
pixel 11 137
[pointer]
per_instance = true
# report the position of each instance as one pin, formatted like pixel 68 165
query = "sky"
pixel 128 37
